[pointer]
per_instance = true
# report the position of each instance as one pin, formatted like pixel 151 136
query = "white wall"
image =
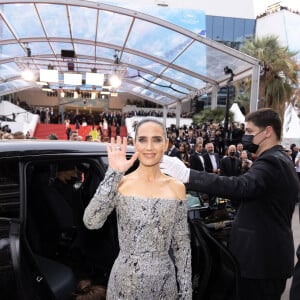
pixel 283 24
pixel 25 121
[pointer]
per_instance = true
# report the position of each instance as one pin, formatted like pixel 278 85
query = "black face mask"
pixel 247 141
pixel 231 153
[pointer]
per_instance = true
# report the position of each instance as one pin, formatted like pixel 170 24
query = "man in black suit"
pixel 196 159
pixel 230 165
pixel 173 150
pixel 211 159
pixel 212 165
pixel 261 238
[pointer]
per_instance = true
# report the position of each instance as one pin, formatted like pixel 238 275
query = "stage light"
pixel 115 81
pixel 49 75
pixel 28 75
pixel 94 79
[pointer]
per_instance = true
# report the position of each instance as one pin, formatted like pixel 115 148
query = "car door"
pixel 54 240
pixel 10 223
pixel 215 270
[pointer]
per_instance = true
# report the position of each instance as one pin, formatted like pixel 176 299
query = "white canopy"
pixel 237 114
pixel 291 127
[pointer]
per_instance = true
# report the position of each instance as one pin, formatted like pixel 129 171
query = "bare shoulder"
pixel 175 182
pixel 127 180
pixel 177 186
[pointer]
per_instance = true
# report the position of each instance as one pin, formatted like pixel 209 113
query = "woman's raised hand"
pixel 116 151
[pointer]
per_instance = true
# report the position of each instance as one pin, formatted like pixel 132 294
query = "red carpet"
pixel 43 130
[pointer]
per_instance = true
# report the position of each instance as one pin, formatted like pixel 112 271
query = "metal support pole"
pixel 254 88
pixel 214 97
pixel 165 111
pixel 226 117
pixel 178 113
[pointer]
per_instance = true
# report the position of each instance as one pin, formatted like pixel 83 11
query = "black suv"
pixel 45 248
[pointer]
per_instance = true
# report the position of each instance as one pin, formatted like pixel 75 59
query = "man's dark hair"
pixel 266 117
pixel 65 166
pixel 52 136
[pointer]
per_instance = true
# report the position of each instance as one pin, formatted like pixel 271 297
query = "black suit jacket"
pixel 230 166
pixel 208 164
pixel 175 152
pixel 261 238
pixel 195 162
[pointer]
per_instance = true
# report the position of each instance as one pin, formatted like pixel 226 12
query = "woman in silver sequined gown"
pixel 152 221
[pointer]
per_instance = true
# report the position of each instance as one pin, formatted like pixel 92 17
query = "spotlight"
pixel 28 50
pixel 27 75
pixel 116 57
pixel 229 71
pixel 115 81
pixel 70 66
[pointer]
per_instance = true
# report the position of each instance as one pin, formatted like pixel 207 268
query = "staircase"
pixel 43 130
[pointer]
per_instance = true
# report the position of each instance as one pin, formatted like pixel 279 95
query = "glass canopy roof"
pixel 157 60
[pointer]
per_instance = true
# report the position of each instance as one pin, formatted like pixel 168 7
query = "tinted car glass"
pixel 7 275
pixel 55 230
pixel 9 189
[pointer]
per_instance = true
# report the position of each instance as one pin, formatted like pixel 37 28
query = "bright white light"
pixel 28 75
pixel 105 92
pixel 72 78
pixel 41 83
pixel 115 81
pixel 48 75
pixel 94 79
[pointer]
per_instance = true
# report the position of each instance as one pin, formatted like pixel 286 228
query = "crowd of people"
pixel 191 144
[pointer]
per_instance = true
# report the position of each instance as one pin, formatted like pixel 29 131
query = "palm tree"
pixel 279 71
pixel 216 115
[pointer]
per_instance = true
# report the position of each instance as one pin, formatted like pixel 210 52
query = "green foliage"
pixel 217 115
pixel 243 100
pixel 279 70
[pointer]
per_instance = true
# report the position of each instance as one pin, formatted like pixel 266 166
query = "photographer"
pixel 246 163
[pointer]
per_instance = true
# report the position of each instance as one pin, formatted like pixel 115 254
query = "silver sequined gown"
pixel 147 229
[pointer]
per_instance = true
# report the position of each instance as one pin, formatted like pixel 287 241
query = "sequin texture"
pixel 151 231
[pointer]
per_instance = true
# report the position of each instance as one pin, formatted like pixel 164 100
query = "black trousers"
pixel 295 287
pixel 261 289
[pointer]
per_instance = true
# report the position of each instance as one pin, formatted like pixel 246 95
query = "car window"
pixel 54 230
pixel 9 189
pixel 57 194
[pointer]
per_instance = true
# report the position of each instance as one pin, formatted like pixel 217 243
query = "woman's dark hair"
pixel 148 120
pixel 87 291
pixel 266 117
